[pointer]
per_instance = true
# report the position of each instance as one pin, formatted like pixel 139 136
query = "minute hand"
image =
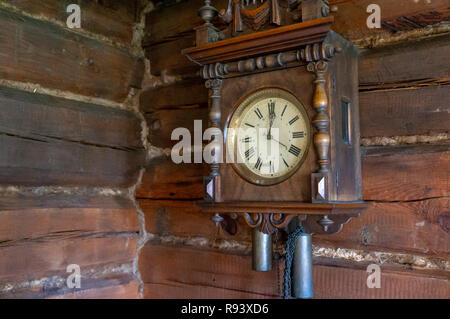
pixel 279 142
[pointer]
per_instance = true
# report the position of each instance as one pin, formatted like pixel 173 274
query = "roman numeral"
pixel 272 168
pixel 284 110
pixel 258 112
pixel 247 140
pixel 249 125
pixel 271 107
pixel 285 163
pixel 293 120
pixel 298 134
pixel 249 153
pixel 258 164
pixel 294 150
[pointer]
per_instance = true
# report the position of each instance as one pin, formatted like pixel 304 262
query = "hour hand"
pixel 270 127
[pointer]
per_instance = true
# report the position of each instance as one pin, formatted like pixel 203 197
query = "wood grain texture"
pixel 165 57
pixel 111 18
pixel 181 94
pixel 53 141
pixel 46 258
pixel 101 286
pixel 183 291
pixel 351 18
pixel 406 173
pixel 163 122
pixel 407 227
pixel 392 66
pixel 183 218
pixel 41 235
pixel 204 269
pixel 49 161
pixel 191 273
pixel 34 116
pixel 85 199
pixel 351 282
pixel 45 140
pixel 42 53
pixel 410 111
pixel 164 24
pixel 283 38
pixel 129 290
pixel 37 224
pixel 165 179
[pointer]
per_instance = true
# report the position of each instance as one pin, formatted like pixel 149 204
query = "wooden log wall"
pixel 71 149
pixel 405 121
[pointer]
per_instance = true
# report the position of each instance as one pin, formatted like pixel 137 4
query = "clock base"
pixel 321 218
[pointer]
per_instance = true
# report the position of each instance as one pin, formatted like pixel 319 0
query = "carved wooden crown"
pixel 247 16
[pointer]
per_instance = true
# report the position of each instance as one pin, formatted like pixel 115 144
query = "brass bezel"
pixel 240 168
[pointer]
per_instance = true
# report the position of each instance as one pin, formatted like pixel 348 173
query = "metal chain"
pixel 290 249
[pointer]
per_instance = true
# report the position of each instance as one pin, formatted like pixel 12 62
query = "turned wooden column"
pixel 321 120
pixel 214 86
pixel 213 75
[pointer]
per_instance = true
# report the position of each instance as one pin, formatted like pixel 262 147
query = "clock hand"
pixel 270 128
pixel 271 120
pixel 279 142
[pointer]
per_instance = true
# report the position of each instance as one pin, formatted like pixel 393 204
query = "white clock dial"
pixel 268 136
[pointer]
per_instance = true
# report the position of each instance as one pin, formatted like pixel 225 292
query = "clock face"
pixel 268 136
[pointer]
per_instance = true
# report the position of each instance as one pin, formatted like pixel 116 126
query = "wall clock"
pixel 296 84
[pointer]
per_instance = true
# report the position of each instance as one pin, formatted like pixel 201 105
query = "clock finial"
pixel 207 12
pixel 207 33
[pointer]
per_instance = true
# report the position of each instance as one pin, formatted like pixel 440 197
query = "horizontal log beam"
pixel 95 285
pixel 128 290
pixel 47 161
pixel 45 259
pixel 165 179
pixel 74 62
pixel 190 93
pixel 193 273
pixel 41 219
pixel 37 115
pixel 110 19
pixel 392 66
pixel 47 140
pixel 398 174
pixel 410 111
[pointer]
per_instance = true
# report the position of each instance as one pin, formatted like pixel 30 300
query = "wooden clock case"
pixel 319 67
pixel 299 81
